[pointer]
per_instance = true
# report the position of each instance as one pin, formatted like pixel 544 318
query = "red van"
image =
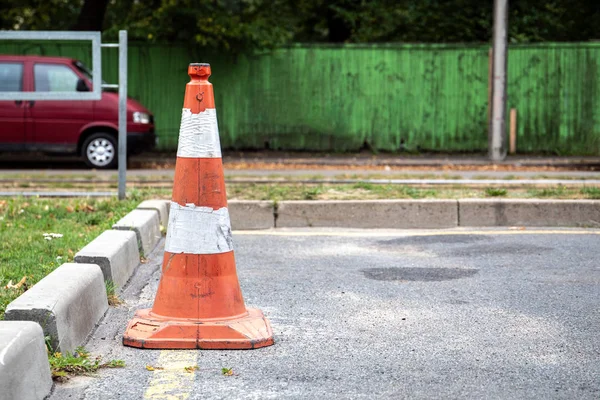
pixel 88 128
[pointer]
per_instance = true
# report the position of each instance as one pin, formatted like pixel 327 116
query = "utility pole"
pixel 497 131
pixel 122 114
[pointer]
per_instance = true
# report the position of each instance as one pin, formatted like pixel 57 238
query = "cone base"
pixel 148 331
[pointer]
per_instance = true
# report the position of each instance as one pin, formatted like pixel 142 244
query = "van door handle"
pixel 31 103
pixel 18 102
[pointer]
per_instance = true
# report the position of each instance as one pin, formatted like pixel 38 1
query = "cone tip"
pixel 199 70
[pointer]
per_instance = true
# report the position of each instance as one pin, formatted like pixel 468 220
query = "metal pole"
pixel 122 113
pixel 496 139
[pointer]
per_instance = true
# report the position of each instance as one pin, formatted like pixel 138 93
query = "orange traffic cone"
pixel 199 303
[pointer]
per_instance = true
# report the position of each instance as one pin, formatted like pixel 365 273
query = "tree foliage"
pixel 443 21
pixel 38 14
pixel 237 25
pixel 223 24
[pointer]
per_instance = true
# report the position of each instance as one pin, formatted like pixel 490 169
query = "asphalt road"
pixel 495 314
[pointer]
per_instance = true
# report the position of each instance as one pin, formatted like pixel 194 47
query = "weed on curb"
pixel 496 192
pixel 557 192
pixel 113 299
pixel 79 363
pixel 591 192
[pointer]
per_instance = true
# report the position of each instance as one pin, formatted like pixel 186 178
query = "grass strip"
pixel 372 191
pixel 38 235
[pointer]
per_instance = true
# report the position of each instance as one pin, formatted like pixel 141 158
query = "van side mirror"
pixel 82 86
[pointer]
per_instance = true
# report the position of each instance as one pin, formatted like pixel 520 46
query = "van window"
pixel 11 77
pixel 83 69
pixel 54 78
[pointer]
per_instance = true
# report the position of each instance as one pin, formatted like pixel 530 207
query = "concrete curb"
pixel 24 369
pixel 145 224
pixel 529 212
pixel 251 214
pixel 400 214
pixel 116 252
pixel 161 206
pixel 431 214
pixel 405 214
pixel 67 303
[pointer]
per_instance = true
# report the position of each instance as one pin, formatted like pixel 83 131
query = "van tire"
pixel 100 151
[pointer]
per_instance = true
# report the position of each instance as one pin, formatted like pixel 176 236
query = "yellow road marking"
pixel 386 233
pixel 172 382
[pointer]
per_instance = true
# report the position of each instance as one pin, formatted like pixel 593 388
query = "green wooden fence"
pixel 384 97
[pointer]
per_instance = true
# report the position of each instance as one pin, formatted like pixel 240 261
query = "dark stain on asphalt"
pixel 418 274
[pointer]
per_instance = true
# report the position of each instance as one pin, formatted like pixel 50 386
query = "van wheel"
pixel 100 151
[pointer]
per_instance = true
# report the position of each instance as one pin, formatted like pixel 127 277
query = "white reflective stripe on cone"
pixel 199 135
pixel 198 230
